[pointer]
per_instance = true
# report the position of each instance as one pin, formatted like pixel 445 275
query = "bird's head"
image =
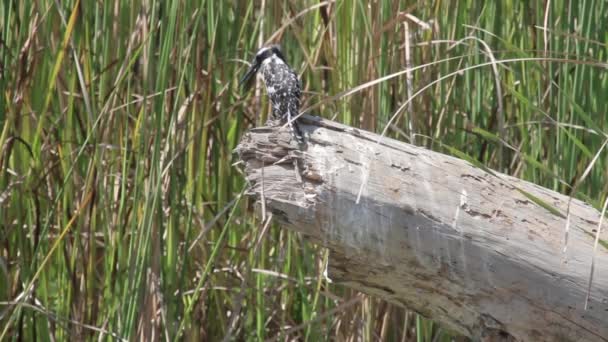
pixel 263 54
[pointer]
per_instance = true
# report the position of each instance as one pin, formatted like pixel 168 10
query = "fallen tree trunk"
pixel 478 251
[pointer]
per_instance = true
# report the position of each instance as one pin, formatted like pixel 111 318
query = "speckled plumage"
pixel 282 85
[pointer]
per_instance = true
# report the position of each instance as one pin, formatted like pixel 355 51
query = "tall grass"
pixel 122 215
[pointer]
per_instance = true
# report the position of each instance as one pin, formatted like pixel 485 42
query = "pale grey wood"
pixel 435 234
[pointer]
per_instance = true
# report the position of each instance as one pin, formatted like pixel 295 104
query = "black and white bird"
pixel 282 85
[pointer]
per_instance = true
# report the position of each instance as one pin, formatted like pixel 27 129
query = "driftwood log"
pixel 478 251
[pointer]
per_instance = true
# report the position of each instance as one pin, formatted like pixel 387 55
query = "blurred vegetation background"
pixel 122 215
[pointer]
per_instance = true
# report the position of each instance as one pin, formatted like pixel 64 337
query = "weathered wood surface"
pixel 435 234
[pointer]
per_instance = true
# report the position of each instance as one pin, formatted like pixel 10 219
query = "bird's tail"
pixel 295 128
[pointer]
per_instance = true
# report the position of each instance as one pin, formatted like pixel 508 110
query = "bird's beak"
pixel 246 81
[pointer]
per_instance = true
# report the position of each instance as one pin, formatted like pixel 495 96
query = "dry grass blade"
pixel 575 187
pixel 51 316
pixel 342 307
pixel 290 21
pixel 595 243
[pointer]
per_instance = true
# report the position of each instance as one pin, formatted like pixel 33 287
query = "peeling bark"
pixel 463 246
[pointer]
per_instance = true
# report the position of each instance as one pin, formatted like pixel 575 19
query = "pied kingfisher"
pixel 282 86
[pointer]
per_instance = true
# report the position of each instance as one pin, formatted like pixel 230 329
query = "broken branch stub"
pixel 481 253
